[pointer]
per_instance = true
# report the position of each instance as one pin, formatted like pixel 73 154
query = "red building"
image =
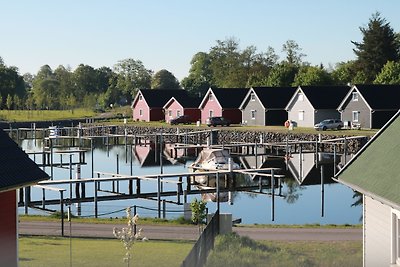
pixel 16 170
pixel 223 102
pixel 182 105
pixel 148 103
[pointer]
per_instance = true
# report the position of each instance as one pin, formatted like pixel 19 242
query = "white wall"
pixel 377 233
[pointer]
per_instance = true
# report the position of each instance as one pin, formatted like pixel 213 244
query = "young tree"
pixel 127 235
pixel 198 212
pixel 379 45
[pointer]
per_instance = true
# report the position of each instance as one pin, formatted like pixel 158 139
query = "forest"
pixel 226 65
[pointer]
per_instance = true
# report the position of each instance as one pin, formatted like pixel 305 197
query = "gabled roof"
pixel 374 170
pixel 377 96
pixel 156 98
pixel 322 97
pixel 16 168
pixel 271 97
pixel 226 97
pixel 185 101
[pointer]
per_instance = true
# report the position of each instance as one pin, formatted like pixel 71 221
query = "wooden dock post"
pixel 159 195
pixel 272 195
pixel 27 198
pixel 322 191
pixel 95 198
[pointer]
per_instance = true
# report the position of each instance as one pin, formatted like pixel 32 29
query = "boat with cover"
pixel 211 159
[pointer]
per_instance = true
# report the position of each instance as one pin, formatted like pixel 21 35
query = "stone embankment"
pixel 228 136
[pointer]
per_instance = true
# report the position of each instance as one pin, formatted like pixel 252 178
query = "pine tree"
pixel 379 45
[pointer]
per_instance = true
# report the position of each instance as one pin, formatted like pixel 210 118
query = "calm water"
pixel 299 204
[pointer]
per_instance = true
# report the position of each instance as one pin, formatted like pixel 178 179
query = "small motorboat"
pixel 211 160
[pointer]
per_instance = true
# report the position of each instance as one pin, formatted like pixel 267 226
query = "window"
pixel 301 97
pixel 355 96
pixel 356 116
pixel 178 113
pixel 140 112
pixel 170 113
pixel 301 115
pixel 210 113
pixel 140 97
pixel 253 114
pixel 210 97
pixel 252 97
pixel 395 244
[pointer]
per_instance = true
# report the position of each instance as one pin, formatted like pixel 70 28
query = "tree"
pixel 85 81
pixel 9 102
pixel 132 76
pixel 226 64
pixel 11 83
pixel 293 53
pixel 379 45
pixel 281 75
pixel 390 74
pixel 200 75
pixel 67 85
pixel 164 79
pixel 311 75
pixel 344 73
pixel 198 212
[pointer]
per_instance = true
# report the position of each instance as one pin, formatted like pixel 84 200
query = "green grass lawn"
pixel 52 251
pixel 44 115
pixel 232 250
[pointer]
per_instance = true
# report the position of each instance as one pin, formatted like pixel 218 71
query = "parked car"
pixel 329 124
pixel 180 119
pixel 215 121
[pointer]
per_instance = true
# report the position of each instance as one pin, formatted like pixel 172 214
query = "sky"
pixel 165 34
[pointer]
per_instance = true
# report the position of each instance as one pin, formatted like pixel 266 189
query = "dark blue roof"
pixel 380 96
pixel 157 98
pixel 325 97
pixel 188 101
pixel 16 168
pixel 230 97
pixel 274 97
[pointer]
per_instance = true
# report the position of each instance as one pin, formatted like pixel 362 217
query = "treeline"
pixel 224 65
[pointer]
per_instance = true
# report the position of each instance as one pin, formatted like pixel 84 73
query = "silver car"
pixel 329 124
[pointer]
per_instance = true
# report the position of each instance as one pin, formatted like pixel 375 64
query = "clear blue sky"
pixel 165 34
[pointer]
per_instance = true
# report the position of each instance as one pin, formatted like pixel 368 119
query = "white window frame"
pixel 140 97
pixel 301 115
pixel 301 97
pixel 169 113
pixel 178 113
pixel 354 117
pixel 252 97
pixel 354 96
pixel 140 112
pixel 210 97
pixel 211 113
pixel 253 114
pixel 395 241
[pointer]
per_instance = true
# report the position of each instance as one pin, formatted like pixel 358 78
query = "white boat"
pixel 211 160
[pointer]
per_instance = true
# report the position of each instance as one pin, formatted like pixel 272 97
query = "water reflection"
pixel 298 194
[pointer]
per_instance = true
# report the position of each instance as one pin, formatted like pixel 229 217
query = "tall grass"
pixel 235 251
